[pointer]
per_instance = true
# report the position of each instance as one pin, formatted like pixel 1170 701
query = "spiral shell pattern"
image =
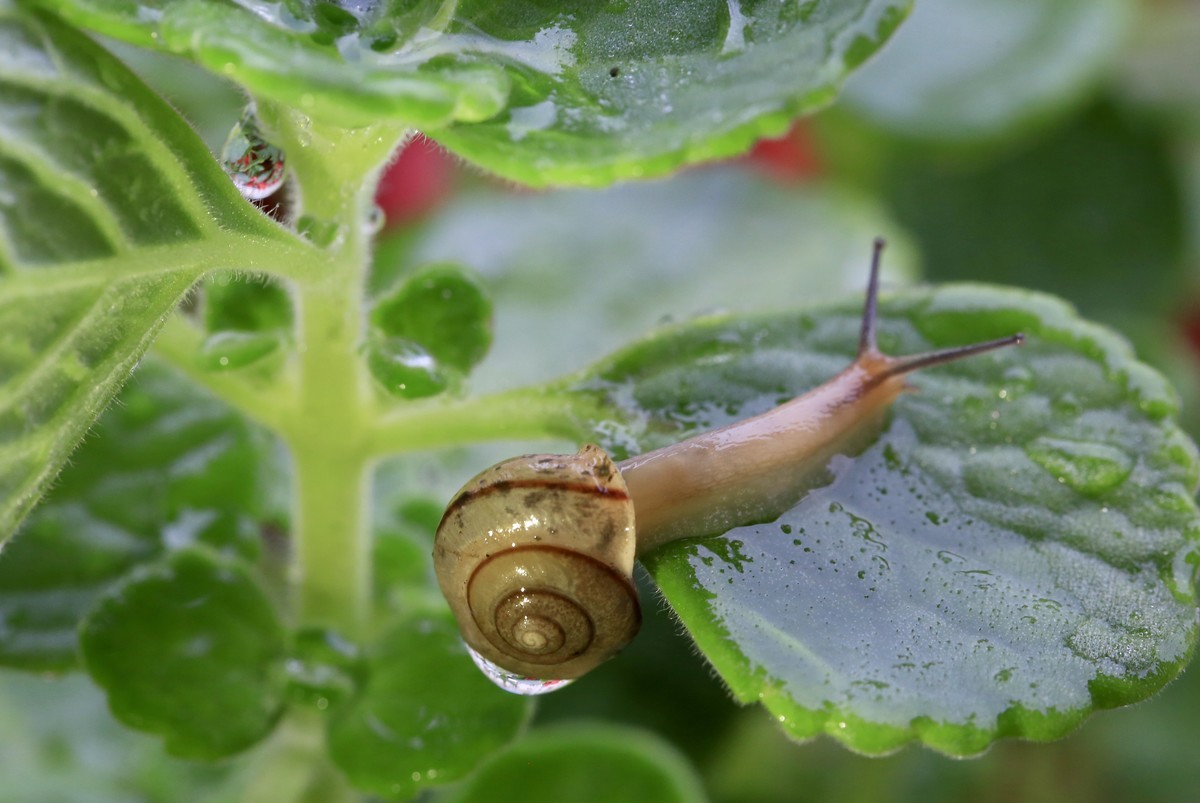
pixel 535 556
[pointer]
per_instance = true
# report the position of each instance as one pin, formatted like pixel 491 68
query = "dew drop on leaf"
pixel 256 166
pixel 1091 469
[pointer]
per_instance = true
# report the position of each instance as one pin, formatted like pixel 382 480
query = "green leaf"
pixel 230 350
pixel 232 303
pixel 585 763
pixel 970 69
pixel 191 649
pixel 581 93
pixel 165 469
pixel 445 309
pixel 429 330
pixel 347 63
pixel 323 668
pixel 110 208
pixel 426 716
pixel 405 369
pixel 1015 550
pixel 403 547
pixel 647 87
pixel 247 321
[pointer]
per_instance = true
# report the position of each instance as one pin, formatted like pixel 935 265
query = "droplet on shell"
pixel 256 166
pixel 512 682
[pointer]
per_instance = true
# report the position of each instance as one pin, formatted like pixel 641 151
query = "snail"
pixel 535 555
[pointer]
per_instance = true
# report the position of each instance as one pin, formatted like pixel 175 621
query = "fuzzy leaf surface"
pixel 189 648
pixel 426 716
pixel 585 763
pixel 573 93
pixel 164 469
pixel 1014 550
pixel 110 208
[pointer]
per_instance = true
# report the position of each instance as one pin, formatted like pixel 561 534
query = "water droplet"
pixel 524 120
pixel 1088 467
pixel 375 219
pixel 256 166
pixel 513 682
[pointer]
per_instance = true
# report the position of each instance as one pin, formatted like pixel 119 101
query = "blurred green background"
pixel 1052 144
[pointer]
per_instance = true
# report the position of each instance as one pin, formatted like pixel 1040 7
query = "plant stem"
pixel 295 766
pixel 335 171
pixel 332 561
pixel 522 414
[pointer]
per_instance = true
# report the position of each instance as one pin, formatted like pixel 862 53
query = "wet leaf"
pixel 191 649
pixel 111 209
pixel 652 86
pixel 230 350
pixel 323 668
pixel 426 715
pixel 580 93
pixel 404 369
pixel 163 470
pixel 444 309
pixel 1014 550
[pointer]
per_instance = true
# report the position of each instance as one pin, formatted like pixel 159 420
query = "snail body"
pixel 535 555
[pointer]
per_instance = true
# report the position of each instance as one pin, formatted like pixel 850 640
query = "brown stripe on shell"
pixel 551 548
pixel 504 486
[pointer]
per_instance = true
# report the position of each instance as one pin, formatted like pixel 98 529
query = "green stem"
pixel 523 414
pixel 295 766
pixel 332 538
pixel 335 170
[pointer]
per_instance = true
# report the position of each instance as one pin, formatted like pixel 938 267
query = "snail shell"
pixel 538 569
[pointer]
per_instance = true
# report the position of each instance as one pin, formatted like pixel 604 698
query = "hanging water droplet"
pixel 256 166
pixel 375 219
pixel 512 682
